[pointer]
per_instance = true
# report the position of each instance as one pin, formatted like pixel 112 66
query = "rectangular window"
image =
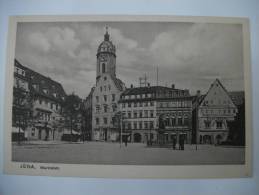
pixel 135 125
pixel 129 105
pixel 180 121
pixel 97 99
pixel 140 114
pixel 151 113
pixel 146 113
pixel 185 120
pixel 105 121
pixel 207 124
pixel 105 98
pixel 151 103
pixel 146 124
pixel 135 104
pixel 140 125
pixel 219 124
pixel 114 107
pixel 129 114
pixel 97 121
pixel 140 104
pixel 129 126
pixel 105 108
pixel 151 124
pixel 173 121
pixel 135 114
pixel 146 104
pixel 97 109
pixel 113 97
pixel 123 105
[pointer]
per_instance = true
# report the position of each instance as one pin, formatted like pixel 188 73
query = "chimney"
pixel 173 87
pixel 131 86
pixel 148 84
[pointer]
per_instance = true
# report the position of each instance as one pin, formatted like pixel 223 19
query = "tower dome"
pixel 106 57
pixel 106 46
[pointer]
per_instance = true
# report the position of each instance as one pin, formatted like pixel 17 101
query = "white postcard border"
pixel 127 171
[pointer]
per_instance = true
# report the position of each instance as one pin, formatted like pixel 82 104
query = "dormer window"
pixel 55 95
pixel 35 86
pixel 46 91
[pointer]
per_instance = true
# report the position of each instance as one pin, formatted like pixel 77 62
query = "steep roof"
pixel 43 83
pixel 118 83
pixel 217 92
pixel 238 97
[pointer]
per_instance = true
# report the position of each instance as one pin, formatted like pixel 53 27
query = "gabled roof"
pixel 238 97
pixel 208 94
pixel 118 83
pixel 43 83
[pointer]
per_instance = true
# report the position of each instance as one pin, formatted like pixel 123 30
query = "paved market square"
pixel 133 154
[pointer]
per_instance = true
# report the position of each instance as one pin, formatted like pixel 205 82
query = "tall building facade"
pixel 214 111
pixel 157 114
pixel 174 113
pixel 138 108
pixel 106 93
pixel 21 110
pixel 87 116
pixel 46 97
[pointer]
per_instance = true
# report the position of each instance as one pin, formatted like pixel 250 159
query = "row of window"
pixel 98 122
pixel 208 124
pixel 105 108
pixel 137 104
pixel 105 98
pixel 175 104
pixel 44 116
pixel 48 104
pixel 127 97
pixel 105 88
pixel 218 111
pixel 177 121
pixel 169 94
pixel 46 91
pixel 219 101
pixel 139 114
pixel 138 125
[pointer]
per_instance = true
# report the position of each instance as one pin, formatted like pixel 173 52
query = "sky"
pixel 188 55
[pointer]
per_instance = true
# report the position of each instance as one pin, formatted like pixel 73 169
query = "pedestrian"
pixel 126 141
pixel 174 142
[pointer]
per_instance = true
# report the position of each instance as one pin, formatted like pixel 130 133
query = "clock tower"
pixel 106 58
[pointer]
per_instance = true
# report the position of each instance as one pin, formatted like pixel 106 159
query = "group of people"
pixel 181 142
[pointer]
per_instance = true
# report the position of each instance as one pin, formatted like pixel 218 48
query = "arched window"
pixel 103 67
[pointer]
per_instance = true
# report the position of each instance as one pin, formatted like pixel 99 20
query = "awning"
pixel 68 131
pixel 16 130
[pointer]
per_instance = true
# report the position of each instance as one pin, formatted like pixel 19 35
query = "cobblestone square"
pixel 133 154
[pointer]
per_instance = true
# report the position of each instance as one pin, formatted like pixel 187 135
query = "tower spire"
pixel 106 36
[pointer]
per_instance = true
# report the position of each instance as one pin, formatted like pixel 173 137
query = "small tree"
pixel 22 109
pixel 71 111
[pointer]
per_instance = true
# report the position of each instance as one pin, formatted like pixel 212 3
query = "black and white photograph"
pixel 129 92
